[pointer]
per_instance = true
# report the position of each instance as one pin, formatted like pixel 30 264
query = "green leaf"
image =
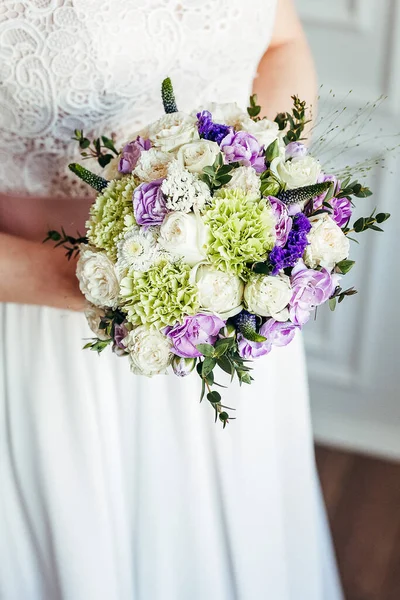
pixel 375 228
pixel 381 217
pixel 109 144
pixel 359 225
pixel 345 266
pixel 206 349
pixel 208 365
pixel 84 143
pixel 272 151
pixel 104 159
pixel 363 192
pixel 262 268
pixel 332 304
pixel 214 397
pixel 225 364
pixel 223 179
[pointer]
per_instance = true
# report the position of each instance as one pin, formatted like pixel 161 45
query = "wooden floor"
pixel 363 501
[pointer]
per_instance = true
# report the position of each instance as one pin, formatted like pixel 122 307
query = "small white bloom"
pixel 264 131
pixel 227 113
pixel 149 351
pixel 297 172
pixel 219 292
pixel 111 170
pixel 137 250
pixel 328 245
pixel 152 164
pixel 197 155
pixel 97 277
pixel 184 190
pixel 184 235
pixel 246 179
pixel 93 315
pixel 173 130
pixel 269 296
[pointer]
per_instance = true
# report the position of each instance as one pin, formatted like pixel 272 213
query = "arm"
pixel 287 67
pixel 32 272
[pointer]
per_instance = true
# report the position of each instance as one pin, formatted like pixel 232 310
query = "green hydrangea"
pixel 107 215
pixel 241 230
pixel 161 296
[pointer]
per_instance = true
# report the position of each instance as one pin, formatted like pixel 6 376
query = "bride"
pixel 115 487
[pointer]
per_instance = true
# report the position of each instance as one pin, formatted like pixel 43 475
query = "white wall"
pixel 354 354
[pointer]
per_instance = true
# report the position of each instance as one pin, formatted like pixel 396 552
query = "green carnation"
pixel 161 296
pixel 241 230
pixel 107 215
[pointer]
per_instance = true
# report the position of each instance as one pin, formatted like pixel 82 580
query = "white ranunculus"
pixel 268 296
pixel 328 245
pixel 93 315
pixel 246 179
pixel 152 164
pixel 197 155
pixel 184 235
pixel 149 351
pixel 226 113
pixel 297 172
pixel 173 130
pixel 219 292
pixel 97 277
pixel 264 131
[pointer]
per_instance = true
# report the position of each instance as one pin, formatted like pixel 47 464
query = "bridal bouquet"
pixel 213 237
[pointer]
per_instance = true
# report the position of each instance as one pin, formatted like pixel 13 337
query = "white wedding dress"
pixel 116 487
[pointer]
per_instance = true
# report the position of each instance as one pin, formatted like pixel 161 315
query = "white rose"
pixel 184 236
pixel 111 170
pixel 152 164
pixel 228 113
pixel 93 315
pixel 328 245
pixel 173 130
pixel 264 131
pixel 197 155
pixel 269 296
pixel 246 179
pixel 297 172
pixel 97 277
pixel 218 292
pixel 149 351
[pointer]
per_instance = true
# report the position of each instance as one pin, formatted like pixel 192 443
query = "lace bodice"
pixel 97 65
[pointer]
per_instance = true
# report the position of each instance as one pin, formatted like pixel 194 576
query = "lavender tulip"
pixel 283 221
pixel 149 203
pixel 131 153
pixel 244 148
pixel 277 334
pixel 341 210
pixel 295 150
pixel 310 289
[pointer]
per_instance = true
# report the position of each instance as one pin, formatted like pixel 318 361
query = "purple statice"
pixel 341 210
pixel 310 289
pixel 282 258
pixel 199 329
pixel 283 221
pixel 130 154
pixel 208 130
pixel 244 148
pixel 295 150
pixel 149 203
pixel 277 334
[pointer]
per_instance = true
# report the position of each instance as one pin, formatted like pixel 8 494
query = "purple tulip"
pixel 131 153
pixel 183 366
pixel 310 289
pixel 277 334
pixel 341 210
pixel 149 203
pixel 244 148
pixel 283 221
pixel 199 329
pixel 295 150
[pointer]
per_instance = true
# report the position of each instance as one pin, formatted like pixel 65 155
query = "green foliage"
pixel 254 109
pixel 365 223
pixel 168 96
pixel 303 194
pixel 269 184
pixel 70 243
pixel 218 174
pixel 353 188
pixel 96 149
pixel 96 182
pixel 272 151
pixel 295 120
pixel 97 345
pixel 339 295
pixel 344 266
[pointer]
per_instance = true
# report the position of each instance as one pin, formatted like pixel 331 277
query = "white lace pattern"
pixel 97 65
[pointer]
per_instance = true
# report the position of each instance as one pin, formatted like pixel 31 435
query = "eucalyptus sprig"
pixel 218 174
pixel 97 345
pixel 224 355
pixel 296 120
pixel 353 188
pixel 339 295
pixel 97 149
pixel 254 109
pixel 70 243
pixel 364 223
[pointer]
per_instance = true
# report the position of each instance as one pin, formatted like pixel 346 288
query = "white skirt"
pixel 118 487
